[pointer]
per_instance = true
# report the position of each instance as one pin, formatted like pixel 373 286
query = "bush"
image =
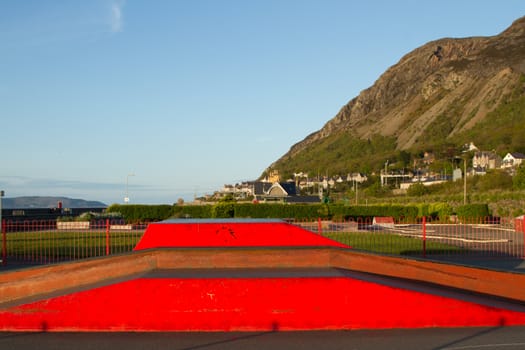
pixel 134 213
pixel 192 211
pixel 417 190
pixel 473 211
pixel 149 213
pixel 223 210
pixel 439 211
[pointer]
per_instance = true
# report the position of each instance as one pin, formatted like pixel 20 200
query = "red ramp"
pixel 230 233
pixel 252 301
pixel 188 288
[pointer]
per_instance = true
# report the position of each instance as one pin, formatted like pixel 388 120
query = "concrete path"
pixel 499 338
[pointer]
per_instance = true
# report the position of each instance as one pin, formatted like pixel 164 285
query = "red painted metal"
pixel 4 242
pixel 240 233
pixel 244 304
pixel 424 225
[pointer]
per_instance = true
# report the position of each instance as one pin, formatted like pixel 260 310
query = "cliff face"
pixel 459 79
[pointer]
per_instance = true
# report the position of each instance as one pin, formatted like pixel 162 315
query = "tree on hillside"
pixel 417 190
pixel 495 179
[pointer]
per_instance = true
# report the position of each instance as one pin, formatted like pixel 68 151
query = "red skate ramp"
pixel 230 233
pixel 257 300
pixel 252 275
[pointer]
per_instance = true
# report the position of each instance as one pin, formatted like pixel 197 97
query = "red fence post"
pixel 107 237
pixel 319 226
pixel 4 242
pixel 424 224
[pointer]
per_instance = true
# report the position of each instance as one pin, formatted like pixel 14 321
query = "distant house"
pixel 428 158
pixel 282 189
pixel 357 177
pixel 486 160
pixel 468 147
pixel 228 189
pixel 285 192
pixel 512 160
pixel 260 189
pixel 273 176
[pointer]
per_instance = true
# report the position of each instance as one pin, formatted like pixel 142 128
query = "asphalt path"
pixel 499 338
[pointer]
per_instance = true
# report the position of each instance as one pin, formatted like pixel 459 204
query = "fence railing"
pixel 49 241
pixel 480 238
pixel 42 242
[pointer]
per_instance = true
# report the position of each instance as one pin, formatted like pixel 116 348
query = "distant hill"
pixel 48 202
pixel 440 96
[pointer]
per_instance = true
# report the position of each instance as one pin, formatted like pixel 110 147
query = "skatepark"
pixel 266 279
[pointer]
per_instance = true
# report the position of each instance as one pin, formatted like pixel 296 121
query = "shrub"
pixel 223 210
pixel 142 213
pixel 473 211
pixel 417 190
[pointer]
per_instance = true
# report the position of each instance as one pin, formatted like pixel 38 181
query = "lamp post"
pixel 465 181
pixel 386 171
pixel 126 199
pixel 355 188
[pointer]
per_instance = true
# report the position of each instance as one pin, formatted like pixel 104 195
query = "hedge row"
pixel 149 213
pixel 135 213
pixel 473 211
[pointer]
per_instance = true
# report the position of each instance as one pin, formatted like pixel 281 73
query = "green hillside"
pixel 342 152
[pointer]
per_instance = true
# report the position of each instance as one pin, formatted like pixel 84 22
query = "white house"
pixel 357 177
pixel 486 160
pixel 512 160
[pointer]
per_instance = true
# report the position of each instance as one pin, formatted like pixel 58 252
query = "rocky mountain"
pixel 48 202
pixel 444 92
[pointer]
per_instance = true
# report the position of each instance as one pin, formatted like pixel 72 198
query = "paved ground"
pixel 505 338
pixel 498 338
pixel 494 263
pixel 499 264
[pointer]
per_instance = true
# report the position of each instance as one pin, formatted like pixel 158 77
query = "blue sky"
pixel 191 95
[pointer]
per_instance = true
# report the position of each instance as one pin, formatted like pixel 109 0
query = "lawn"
pixel 54 245
pixel 386 243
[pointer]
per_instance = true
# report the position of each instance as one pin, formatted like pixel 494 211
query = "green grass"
pixel 385 243
pixel 49 246
pixel 58 245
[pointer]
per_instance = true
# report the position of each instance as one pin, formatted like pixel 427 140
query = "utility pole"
pixel 386 171
pixel 355 189
pixel 465 181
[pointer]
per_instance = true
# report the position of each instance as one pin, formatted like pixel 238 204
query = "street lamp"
pixel 386 171
pixel 355 189
pixel 126 199
pixel 465 181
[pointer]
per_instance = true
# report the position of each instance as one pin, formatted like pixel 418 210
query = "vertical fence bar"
pixel 424 225
pixel 4 242
pixel 319 226
pixel 107 237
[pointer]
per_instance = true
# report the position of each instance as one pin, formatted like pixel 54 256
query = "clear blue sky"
pixel 190 95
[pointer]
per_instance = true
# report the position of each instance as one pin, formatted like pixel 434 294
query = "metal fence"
pixel 43 242
pixel 481 238
pixel 49 241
